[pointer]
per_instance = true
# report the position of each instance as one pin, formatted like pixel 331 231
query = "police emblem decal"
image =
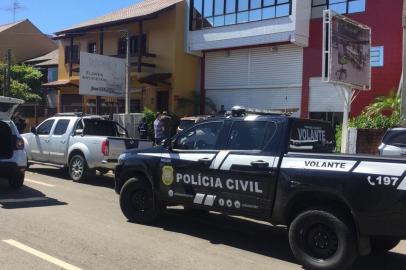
pixel 167 175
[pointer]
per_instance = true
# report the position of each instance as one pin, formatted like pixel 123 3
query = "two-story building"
pixel 161 71
pixel 268 53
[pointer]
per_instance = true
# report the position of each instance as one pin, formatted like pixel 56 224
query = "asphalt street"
pixel 53 223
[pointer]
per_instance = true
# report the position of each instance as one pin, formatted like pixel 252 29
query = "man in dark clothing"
pixel 19 122
pixel 143 129
pixel 222 111
pixel 167 124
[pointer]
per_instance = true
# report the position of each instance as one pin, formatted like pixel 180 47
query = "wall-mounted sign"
pixel 347 52
pixel 101 75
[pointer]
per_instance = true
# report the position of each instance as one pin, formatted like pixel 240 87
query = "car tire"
pixel 323 240
pixel 138 203
pixel 78 169
pixel 383 245
pixel 17 182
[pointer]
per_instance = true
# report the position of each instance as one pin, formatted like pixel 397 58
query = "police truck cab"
pixel 275 168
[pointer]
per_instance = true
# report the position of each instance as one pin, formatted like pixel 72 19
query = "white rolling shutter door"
pixel 324 97
pixel 264 77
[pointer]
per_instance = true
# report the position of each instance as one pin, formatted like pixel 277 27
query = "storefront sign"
pixel 101 75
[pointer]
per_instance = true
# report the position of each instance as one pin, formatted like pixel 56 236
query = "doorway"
pixel 162 101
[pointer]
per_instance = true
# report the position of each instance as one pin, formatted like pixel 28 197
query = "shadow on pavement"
pixel 62 174
pixel 25 197
pixel 236 232
pixel 257 237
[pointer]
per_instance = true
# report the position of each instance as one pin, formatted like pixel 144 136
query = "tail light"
pixel 105 147
pixel 19 145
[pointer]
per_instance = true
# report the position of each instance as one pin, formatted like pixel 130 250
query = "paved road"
pixel 53 223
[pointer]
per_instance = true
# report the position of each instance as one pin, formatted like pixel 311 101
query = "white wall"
pixel 324 97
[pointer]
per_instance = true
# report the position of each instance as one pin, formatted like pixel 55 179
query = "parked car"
pixel 84 144
pixel 279 169
pixel 13 159
pixel 393 142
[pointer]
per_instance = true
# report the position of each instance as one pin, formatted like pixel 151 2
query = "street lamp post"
pixel 128 76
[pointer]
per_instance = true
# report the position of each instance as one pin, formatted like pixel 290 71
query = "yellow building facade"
pixel 166 73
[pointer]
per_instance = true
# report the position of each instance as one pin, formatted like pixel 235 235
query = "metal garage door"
pixel 264 77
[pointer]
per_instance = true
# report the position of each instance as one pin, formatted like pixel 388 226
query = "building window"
pixel 377 55
pixel 339 6
pixel 75 54
pixel 122 45
pixel 91 47
pixel 215 13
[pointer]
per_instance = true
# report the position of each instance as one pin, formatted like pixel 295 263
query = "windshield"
pixel 395 137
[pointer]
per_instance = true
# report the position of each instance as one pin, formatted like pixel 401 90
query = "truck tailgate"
pixel 119 145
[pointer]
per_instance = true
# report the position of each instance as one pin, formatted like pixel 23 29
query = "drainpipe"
pixel 403 105
pixel 202 84
pixel 70 56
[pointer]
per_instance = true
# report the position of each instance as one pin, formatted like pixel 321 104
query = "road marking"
pixel 32 199
pixel 41 255
pixel 38 183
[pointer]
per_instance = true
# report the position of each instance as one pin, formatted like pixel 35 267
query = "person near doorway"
pixel 167 125
pixel 19 122
pixel 222 111
pixel 143 129
pixel 158 129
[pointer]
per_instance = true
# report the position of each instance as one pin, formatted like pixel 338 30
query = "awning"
pixel 59 83
pixel 154 78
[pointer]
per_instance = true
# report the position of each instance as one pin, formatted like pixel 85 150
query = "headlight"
pixel 121 159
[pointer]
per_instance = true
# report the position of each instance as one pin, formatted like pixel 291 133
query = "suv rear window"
pixel 395 137
pixel 312 136
pixel 96 127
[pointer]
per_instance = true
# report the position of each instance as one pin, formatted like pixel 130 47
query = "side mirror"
pixel 34 130
pixel 78 132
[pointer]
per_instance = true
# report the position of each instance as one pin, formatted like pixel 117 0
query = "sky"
pixel 51 16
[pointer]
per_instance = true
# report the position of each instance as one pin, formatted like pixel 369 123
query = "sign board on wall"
pixel 102 75
pixel 346 52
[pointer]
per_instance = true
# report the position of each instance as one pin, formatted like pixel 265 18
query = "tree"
pixel 25 82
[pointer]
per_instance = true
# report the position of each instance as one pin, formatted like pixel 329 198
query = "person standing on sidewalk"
pixel 166 120
pixel 143 129
pixel 158 129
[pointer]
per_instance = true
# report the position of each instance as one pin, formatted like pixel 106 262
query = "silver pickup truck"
pixel 84 144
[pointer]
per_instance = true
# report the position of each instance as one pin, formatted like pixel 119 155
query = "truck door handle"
pixel 63 141
pixel 47 141
pixel 205 161
pixel 260 164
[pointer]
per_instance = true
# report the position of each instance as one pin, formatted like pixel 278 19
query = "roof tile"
pixel 141 9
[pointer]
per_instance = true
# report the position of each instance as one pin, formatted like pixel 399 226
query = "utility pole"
pixel 404 63
pixel 128 76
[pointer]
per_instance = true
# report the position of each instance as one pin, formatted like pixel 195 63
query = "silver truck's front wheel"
pixel 78 168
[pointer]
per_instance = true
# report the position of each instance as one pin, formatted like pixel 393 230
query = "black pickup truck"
pixel 278 169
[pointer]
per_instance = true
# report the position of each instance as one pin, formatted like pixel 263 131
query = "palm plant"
pixel 390 104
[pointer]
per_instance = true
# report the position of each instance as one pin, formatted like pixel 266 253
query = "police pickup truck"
pixel 278 169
